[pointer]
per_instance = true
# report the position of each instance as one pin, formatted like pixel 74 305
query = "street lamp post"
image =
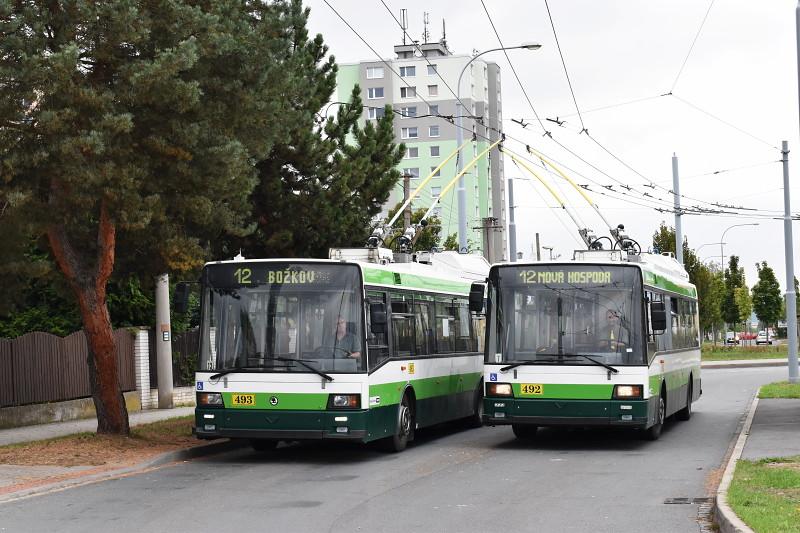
pixel 722 265
pixel 462 193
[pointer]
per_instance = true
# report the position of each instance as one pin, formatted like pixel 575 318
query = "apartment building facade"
pixel 425 121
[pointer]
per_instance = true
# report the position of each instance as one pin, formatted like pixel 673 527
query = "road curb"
pixel 160 460
pixel 726 519
pixel 744 363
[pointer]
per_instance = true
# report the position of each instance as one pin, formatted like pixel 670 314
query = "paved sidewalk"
pixel 88 425
pixel 775 431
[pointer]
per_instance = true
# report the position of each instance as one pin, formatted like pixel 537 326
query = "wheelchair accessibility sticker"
pixel 492 376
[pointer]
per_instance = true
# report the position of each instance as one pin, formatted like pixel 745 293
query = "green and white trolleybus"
pixel 608 339
pixel 357 347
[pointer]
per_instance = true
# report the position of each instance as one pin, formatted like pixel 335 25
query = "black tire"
pixel 686 413
pixel 654 431
pixel 263 445
pixel 524 431
pixel 404 430
pixel 475 420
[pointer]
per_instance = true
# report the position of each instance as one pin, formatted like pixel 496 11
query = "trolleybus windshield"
pixel 563 313
pixel 282 317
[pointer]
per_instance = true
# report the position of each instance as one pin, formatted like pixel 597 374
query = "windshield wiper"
pixel 245 369
pixel 527 362
pixel 595 361
pixel 305 364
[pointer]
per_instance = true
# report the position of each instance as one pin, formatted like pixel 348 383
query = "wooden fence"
pixel 39 367
pixel 185 347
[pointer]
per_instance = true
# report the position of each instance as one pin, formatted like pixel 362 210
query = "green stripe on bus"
pixel 390 393
pixel 567 391
pixel 653 279
pixel 277 400
pixel 403 279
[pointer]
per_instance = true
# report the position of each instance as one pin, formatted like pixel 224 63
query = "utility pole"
pixel 538 249
pixel 791 297
pixel 676 188
pixel 406 194
pixel 512 227
pixel 163 343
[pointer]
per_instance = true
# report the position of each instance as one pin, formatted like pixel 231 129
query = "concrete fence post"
pixel 141 352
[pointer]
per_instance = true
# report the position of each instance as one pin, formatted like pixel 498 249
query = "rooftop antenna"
pixel 404 22
pixel 425 34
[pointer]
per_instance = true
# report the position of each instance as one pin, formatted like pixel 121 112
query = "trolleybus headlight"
pixel 209 399
pixel 344 401
pixel 627 392
pixel 499 389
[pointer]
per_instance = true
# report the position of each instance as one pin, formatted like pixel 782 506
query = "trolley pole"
pixel 676 188
pixel 791 297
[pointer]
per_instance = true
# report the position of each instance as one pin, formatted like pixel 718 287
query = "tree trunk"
pixel 88 280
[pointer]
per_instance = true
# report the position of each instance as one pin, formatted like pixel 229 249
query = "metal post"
pixel 676 188
pixel 512 227
pixel 163 343
pixel 538 249
pixel 406 194
pixel 791 297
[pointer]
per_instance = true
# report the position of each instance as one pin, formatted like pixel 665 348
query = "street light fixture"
pixel 462 192
pixel 722 264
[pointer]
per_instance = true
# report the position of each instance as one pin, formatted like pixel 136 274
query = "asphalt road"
pixel 450 480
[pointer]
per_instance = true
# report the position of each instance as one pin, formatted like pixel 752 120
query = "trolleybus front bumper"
pixel 551 412
pixel 280 425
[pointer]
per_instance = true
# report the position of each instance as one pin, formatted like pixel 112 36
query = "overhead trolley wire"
pixel 694 41
pixel 566 73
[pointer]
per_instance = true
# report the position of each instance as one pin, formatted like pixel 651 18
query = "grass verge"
pixel 710 352
pixel 780 389
pixel 766 494
pixel 82 449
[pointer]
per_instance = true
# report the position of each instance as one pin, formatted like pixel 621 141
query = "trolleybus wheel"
pixel 686 413
pixel 263 445
pixel 524 431
pixel 405 427
pixel 654 431
pixel 475 420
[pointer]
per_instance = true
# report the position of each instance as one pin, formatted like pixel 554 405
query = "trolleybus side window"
pixel 422 326
pixel 402 324
pixel 445 325
pixel 465 341
pixel 377 343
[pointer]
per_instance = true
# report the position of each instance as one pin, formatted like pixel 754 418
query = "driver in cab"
pixel 613 335
pixel 346 344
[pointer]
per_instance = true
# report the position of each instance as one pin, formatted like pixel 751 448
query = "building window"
pixel 407 112
pixel 374 73
pixel 433 90
pixel 407 72
pixel 412 152
pixel 376 112
pixel 413 172
pixel 434 151
pixel 408 92
pixel 433 131
pixel 374 93
pixel 408 133
pixel 435 192
pixel 432 70
pixel 433 110
pixel 438 172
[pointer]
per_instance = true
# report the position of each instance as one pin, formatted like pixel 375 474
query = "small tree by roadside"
pixel 767 301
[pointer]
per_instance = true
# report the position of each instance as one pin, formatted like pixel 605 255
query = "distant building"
pixel 430 139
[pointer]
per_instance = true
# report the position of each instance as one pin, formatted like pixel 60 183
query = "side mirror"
pixel 377 317
pixel 658 316
pixel 476 292
pixel 180 299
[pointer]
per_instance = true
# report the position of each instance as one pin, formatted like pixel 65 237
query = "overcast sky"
pixel 742 69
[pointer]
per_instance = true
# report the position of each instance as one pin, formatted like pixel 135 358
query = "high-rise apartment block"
pixel 425 121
